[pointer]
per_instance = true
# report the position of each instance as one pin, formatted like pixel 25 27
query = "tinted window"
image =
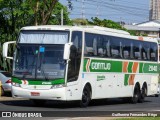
pixel 90 44
pixel 116 47
pixel 75 56
pixel 137 48
pixel 153 51
pixel 104 46
pixel 146 51
pixel 126 51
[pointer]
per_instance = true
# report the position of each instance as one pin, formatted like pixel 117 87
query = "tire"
pixel 156 95
pixel 142 94
pixel 136 95
pixel 86 97
pixel 39 103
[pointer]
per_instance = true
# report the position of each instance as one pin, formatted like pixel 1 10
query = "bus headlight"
pixel 16 84
pixel 57 86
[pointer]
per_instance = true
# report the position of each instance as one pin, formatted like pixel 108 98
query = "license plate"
pixel 35 94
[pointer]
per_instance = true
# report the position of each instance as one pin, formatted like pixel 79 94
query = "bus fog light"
pixel 57 86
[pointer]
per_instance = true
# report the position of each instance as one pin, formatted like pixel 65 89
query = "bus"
pixel 82 63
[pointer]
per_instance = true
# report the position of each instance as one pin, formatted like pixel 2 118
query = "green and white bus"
pixel 82 63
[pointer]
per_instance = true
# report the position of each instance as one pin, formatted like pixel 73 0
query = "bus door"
pixel 74 65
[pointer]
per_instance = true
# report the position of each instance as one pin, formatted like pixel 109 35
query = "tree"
pixel 105 23
pixel 43 10
pixel 80 21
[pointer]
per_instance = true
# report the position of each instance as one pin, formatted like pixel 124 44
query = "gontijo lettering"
pixel 100 66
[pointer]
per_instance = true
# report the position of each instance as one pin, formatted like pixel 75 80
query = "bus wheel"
pixel 142 94
pixel 38 103
pixel 136 95
pixel 86 97
pixel 156 95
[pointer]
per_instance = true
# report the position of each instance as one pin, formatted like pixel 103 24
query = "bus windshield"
pixel 39 61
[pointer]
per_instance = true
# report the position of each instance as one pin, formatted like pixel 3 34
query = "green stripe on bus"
pixel 126 77
pixel 130 67
pixel 96 65
pixel 103 66
pixel 141 67
pixel 85 63
pixel 150 68
pixel 40 82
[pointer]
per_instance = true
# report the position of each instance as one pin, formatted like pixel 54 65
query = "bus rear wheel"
pixel 142 94
pixel 86 97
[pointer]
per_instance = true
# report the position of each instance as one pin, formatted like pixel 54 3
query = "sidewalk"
pixel 7 98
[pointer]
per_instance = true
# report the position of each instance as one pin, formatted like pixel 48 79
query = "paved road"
pixel 96 108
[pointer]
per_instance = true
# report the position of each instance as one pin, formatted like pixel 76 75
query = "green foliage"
pixel 105 23
pixel 79 21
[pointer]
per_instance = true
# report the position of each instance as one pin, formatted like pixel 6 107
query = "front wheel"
pixel 136 95
pixel 86 97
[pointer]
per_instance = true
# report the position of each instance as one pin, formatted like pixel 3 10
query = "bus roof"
pixel 92 29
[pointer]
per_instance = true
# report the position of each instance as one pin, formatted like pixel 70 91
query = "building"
pixel 154 12
pixel 149 28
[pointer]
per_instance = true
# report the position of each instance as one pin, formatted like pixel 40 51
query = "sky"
pixel 129 11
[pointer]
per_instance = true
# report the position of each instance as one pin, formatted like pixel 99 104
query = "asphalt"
pixel 9 103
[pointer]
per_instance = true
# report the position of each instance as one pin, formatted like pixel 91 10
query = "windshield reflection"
pixel 39 61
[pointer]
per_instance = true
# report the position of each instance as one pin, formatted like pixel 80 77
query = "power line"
pixel 100 6
pixel 115 8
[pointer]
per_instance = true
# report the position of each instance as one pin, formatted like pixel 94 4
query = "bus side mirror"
pixel 67 48
pixel 5 49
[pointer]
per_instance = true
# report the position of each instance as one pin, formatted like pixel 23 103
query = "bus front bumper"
pixel 48 94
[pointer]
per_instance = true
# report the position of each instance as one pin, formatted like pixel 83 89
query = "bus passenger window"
pixel 126 54
pixel 95 47
pixel 153 55
pixel 115 47
pixel 137 55
pixel 144 55
pixel 115 53
pixel 148 54
pixel 90 44
pixel 154 52
pixel 126 50
pixel 100 52
pixel 137 50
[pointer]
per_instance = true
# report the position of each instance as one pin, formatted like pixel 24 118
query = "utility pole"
pixel 83 11
pixel 97 11
pixel 62 17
